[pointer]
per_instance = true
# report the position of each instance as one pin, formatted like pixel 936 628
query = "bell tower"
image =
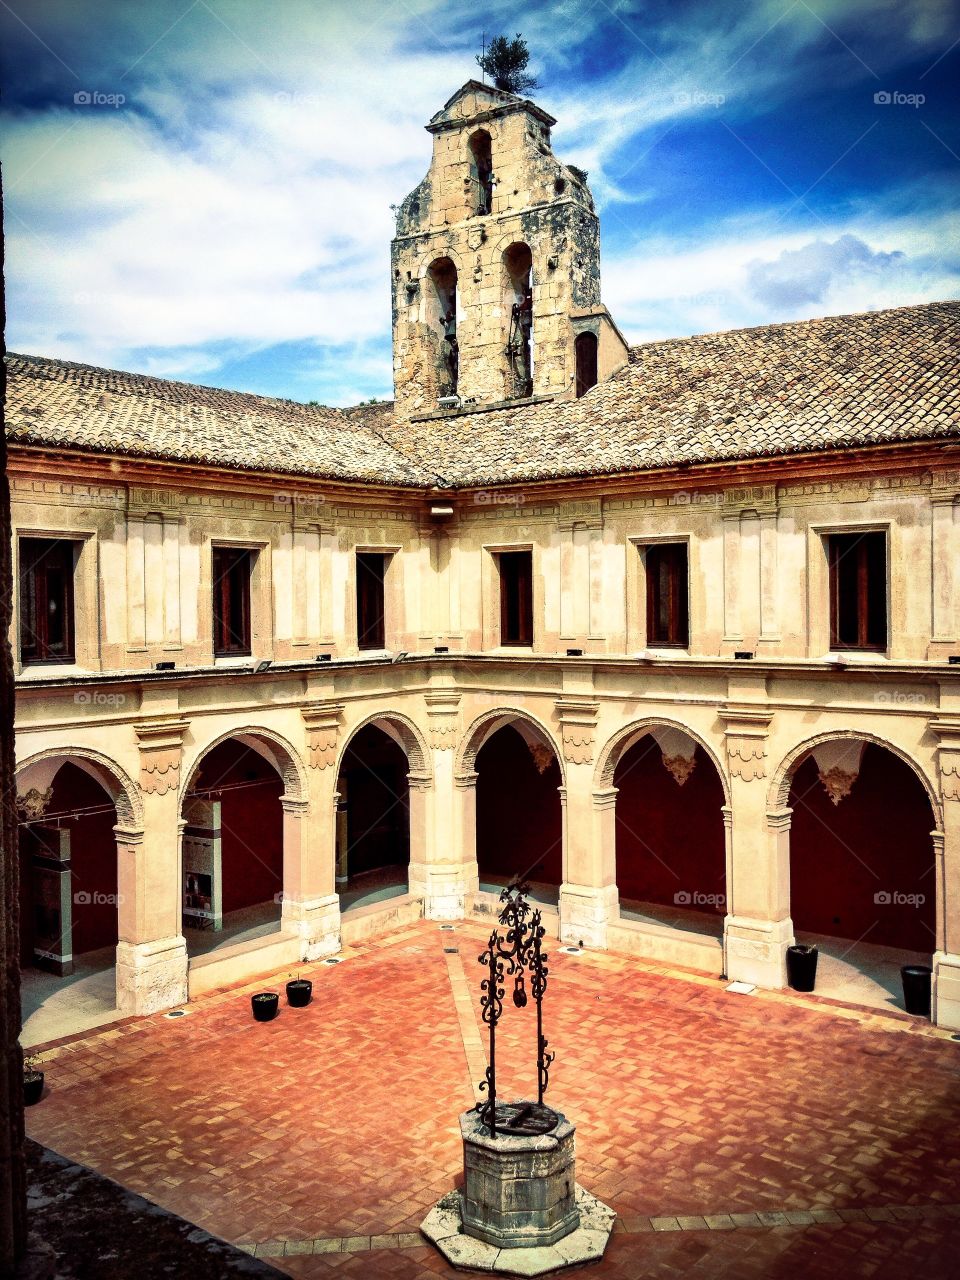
pixel 496 266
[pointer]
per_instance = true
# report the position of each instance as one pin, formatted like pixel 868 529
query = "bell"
pixel 519 995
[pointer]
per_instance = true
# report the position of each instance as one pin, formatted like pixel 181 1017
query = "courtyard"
pixel 769 1134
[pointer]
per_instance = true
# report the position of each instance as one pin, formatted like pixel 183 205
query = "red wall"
pixel 251 821
pixel 669 838
pixel 518 811
pixel 93 855
pixel 876 840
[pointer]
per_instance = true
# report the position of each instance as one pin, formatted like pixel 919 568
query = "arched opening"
pixel 441 318
pixel 670 835
pixel 518 308
pixel 862 867
pixel 232 861
pixel 373 819
pixel 519 814
pixel 585 362
pixel 481 173
pixel 69 899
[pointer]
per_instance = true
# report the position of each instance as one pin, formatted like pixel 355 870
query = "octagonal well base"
pixel 443 1227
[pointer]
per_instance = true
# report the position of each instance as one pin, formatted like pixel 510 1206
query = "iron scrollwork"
pixel 515 954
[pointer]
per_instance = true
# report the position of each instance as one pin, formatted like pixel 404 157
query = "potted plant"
pixel 299 991
pixel 32 1080
pixel 265 1005
pixel 802 966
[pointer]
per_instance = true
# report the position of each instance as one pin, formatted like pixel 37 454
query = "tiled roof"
pixel 57 402
pixel 841 382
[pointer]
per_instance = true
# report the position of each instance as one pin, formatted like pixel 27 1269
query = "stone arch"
pixel 404 732
pixel 267 743
pixel 624 738
pixel 123 791
pixel 486 725
pixel 779 792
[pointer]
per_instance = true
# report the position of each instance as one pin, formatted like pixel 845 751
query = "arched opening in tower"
pixel 518 307
pixel 441 302
pixel 481 173
pixel 585 361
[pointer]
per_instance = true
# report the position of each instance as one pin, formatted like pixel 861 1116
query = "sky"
pixel 203 189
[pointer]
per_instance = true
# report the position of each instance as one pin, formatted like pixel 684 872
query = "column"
pixel 758 928
pixel 732 630
pixel 152 952
pixel 946 960
pixel 588 895
pixel 311 906
pixel 448 874
pixel 769 582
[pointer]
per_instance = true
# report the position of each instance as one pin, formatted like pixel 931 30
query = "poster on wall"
pixel 202 870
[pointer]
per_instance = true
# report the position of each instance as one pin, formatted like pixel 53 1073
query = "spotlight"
pixel 262 666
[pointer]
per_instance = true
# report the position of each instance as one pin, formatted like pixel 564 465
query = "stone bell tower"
pixel 496 266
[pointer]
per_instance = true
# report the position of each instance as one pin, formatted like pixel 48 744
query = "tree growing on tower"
pixel 505 61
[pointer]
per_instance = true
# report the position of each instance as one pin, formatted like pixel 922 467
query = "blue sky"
pixel 214 206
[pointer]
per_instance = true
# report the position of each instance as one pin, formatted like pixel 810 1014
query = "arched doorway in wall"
pixel 670 833
pixel 862 867
pixel 68 808
pixel 232 848
pixel 373 817
pixel 519 813
pixel 518 312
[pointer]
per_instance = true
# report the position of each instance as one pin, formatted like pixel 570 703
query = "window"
pixel 668 620
pixel 46 599
pixel 371 567
pixel 516 597
pixel 231 601
pixel 585 359
pixel 858 590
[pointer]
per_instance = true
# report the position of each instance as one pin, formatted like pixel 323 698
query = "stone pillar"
pixel 311 907
pixel 420 881
pixel 758 928
pixel 342 835
pixel 449 876
pixel 946 960
pixel 152 952
pixel 588 895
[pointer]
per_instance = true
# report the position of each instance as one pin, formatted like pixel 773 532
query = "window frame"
pixel 72 546
pixel 863 602
pixel 679 604
pixel 363 555
pixel 524 600
pixel 218 590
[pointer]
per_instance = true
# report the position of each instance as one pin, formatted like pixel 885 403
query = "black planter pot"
pixel 802 967
pixel 299 991
pixel 265 1005
pixel 916 988
pixel 32 1087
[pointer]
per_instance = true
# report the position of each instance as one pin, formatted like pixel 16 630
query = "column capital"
pixel 465 781
pixel 745 731
pixel 322 720
pixel 578 727
pixel 161 753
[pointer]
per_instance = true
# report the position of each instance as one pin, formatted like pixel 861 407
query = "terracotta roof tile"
pixel 843 381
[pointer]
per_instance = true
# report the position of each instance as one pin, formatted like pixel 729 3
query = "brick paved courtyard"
pixel 763 1135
